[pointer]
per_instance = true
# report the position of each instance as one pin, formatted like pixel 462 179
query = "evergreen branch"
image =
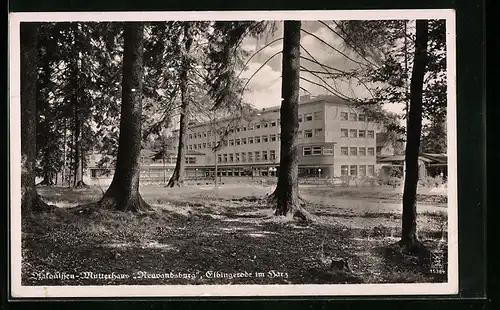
pixel 335 49
pixel 348 43
pixel 258 51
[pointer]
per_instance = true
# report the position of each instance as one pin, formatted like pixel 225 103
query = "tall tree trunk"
pixel 30 201
pixel 177 178
pixel 286 195
pixel 123 193
pixel 409 224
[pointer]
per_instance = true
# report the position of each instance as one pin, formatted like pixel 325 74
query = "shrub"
pixel 429 181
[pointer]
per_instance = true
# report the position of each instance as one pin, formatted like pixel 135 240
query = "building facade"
pixel 333 140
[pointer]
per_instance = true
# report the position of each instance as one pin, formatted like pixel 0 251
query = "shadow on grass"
pixel 427 265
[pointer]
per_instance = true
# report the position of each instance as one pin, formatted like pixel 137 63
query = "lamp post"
pixel 319 173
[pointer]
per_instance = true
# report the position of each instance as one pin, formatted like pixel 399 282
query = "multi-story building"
pixel 333 140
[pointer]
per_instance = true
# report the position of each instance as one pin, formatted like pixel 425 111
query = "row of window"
pixel 241 141
pixel 357 151
pixel 355 133
pixel 316 150
pixel 344 116
pixel 261 124
pixel 247 157
pixel 354 170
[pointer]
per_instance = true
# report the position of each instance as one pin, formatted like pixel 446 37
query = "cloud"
pixel 265 87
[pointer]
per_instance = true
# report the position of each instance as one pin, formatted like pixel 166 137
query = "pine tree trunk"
pixel 123 193
pixel 409 224
pixel 30 201
pixel 286 195
pixel 177 178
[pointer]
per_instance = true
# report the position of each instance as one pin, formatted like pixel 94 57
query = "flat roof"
pixel 329 99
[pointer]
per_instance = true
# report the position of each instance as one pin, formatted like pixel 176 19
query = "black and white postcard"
pixel 257 153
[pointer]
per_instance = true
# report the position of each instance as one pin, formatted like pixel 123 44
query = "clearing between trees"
pixel 198 230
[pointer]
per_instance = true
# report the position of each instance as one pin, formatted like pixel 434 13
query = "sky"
pixel 265 86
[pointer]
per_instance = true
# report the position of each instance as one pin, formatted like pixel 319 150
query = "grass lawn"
pixel 198 230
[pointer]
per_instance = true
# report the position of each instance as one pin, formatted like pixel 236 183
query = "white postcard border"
pixel 18 290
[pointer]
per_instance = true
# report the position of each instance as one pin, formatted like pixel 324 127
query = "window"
pixel 204 145
pixel 273 138
pixel 225 158
pixel 265 138
pixel 362 151
pixel 353 170
pixel 279 121
pixel 300 117
pixel 317 150
pixel 238 129
pixel 344 170
pixel 272 155
pixel 318 115
pixel 243 157
pixel 243 140
pixel 231 158
pixel 231 130
pixel 361 118
pixel 225 142
pixel 362 134
pixel 353 133
pixel 343 116
pixel 371 151
pixel 237 157
pixel 204 134
pixel 273 124
pixel 327 151
pixel 199 145
pixel 250 140
pixel 344 133
pixel 195 146
pixel 190 136
pixel 371 170
pixel 362 170
pixel 308 117
pixel 199 135
pixel 279 136
pixel 250 127
pixel 250 157
pixel 257 155
pixel 353 116
pixel 306 151
pixel 210 133
pixel 190 160
pixel 257 126
pixel 318 132
pixel 265 125
pixel 264 155
pixel 244 128
pixel 231 142
pixel 344 151
pixel 354 151
pixel 257 139
pixel 371 134
pixel 369 119
pixel 190 147
pixel 308 133
pixel 237 141
pixel 219 158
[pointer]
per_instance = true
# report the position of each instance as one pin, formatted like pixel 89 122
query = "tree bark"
pixel 123 193
pixel 409 238
pixel 286 195
pixel 30 201
pixel 177 178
